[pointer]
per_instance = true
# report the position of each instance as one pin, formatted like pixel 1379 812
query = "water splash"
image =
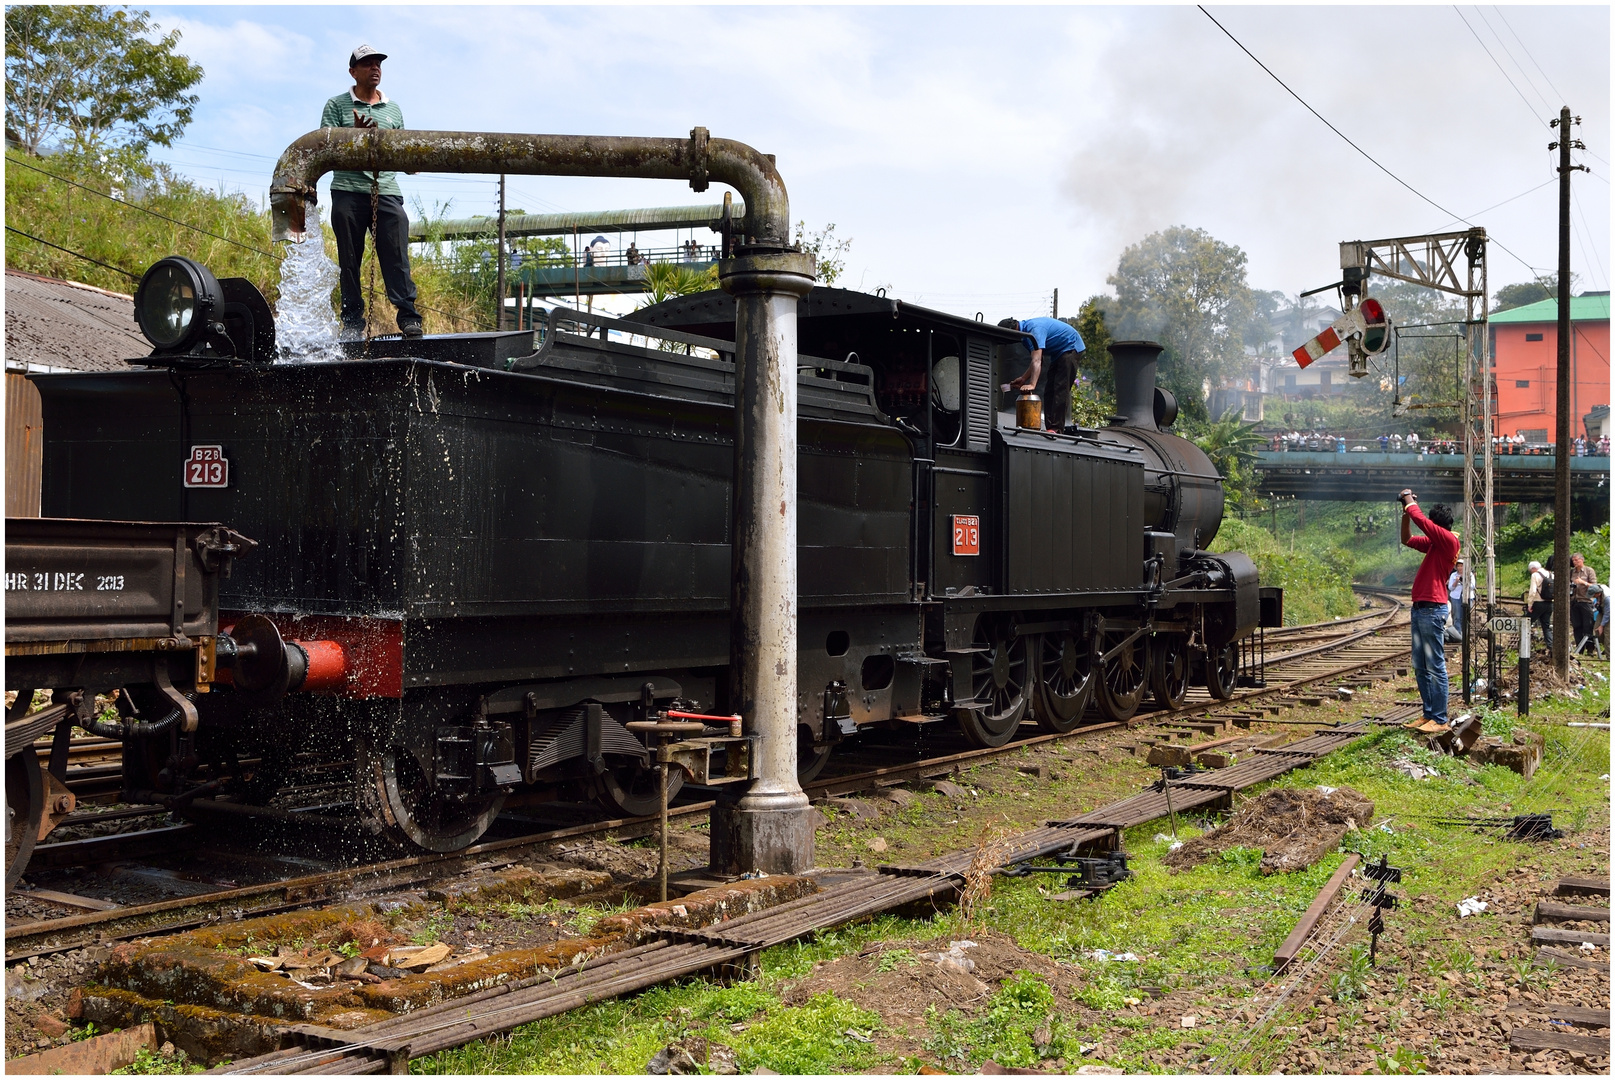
pixel 305 325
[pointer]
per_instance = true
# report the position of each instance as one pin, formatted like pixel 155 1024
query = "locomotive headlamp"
pixel 192 317
pixel 176 302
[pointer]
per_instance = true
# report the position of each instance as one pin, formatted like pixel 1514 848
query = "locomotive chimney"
pixel 1138 403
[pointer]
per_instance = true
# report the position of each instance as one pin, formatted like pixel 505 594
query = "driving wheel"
pixel 1169 670
pixel 1066 681
pixel 1123 674
pixel 430 818
pixel 998 686
pixel 1222 667
pixel 810 759
pixel 25 809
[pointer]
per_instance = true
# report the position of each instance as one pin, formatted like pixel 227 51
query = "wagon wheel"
pixel 1222 666
pixel 1066 681
pixel 635 790
pixel 998 685
pixel 1123 676
pixel 25 809
pixel 429 818
pixel 1169 670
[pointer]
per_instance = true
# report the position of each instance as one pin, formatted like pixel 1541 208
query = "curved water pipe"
pixel 699 159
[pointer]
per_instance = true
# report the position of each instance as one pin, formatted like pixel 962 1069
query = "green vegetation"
pixel 1315 573
pixel 823 1035
pixel 149 1062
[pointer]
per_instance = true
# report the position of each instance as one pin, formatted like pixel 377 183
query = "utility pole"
pixel 1561 449
pixel 499 289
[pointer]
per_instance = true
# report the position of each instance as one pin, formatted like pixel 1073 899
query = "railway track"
pixel 1358 651
pixel 389 1044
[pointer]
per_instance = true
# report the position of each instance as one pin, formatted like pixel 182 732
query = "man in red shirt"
pixel 1440 547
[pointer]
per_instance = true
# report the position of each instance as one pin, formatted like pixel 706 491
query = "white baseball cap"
pixel 364 52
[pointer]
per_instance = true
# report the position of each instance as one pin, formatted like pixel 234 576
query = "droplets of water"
pixel 305 325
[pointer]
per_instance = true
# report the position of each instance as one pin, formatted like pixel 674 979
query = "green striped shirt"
pixel 339 113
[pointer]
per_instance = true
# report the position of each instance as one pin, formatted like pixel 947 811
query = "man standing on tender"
pixel 1440 547
pixel 369 203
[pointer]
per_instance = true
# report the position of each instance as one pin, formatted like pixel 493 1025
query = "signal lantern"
pixel 1376 326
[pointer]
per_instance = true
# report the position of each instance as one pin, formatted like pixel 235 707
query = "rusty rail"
pixel 1309 921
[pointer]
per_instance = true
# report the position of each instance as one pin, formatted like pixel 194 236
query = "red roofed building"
pixel 1525 344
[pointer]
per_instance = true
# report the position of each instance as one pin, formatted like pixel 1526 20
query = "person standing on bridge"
pixel 1056 349
pixel 1429 623
pixel 369 202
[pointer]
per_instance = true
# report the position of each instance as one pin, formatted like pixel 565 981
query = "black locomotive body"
pixel 488 560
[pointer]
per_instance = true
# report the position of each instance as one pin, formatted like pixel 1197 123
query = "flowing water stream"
pixel 305 326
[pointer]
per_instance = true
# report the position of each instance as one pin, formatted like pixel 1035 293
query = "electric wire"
pixel 75 254
pixel 1586 231
pixel 1500 69
pixel 1371 159
pixel 1546 107
pixel 142 209
pixel 1545 76
pixel 1505 202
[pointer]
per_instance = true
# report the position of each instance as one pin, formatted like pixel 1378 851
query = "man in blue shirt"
pixel 352 211
pixel 1056 347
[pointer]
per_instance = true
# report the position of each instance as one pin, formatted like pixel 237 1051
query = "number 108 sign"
pixel 966 534
pixel 207 467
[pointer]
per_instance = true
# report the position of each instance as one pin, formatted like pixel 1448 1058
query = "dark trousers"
pixel 350 220
pixel 1582 618
pixel 1542 615
pixel 1054 387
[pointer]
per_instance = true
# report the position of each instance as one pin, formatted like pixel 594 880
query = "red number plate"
pixel 207 467
pixel 966 534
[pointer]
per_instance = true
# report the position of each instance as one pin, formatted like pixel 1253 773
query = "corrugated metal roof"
pixel 62 324
pixel 1582 309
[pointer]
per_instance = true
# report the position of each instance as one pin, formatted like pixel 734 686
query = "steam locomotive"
pixel 478 561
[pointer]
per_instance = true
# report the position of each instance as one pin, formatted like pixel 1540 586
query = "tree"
pixel 829 254
pixel 1545 287
pixel 1231 444
pixel 105 78
pixel 1187 290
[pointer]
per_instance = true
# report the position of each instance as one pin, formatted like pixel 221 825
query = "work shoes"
pixel 411 327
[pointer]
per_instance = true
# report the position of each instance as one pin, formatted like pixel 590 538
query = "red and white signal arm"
pixel 207 467
pixel 1368 319
pixel 966 534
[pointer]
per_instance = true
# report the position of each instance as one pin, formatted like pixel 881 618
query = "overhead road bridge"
pixel 1371 477
pixel 602 272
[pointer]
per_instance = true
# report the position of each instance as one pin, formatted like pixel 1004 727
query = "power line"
pixel 1510 54
pixel 1351 144
pixel 1506 201
pixel 1527 50
pixel 183 224
pixel 1586 231
pixel 75 254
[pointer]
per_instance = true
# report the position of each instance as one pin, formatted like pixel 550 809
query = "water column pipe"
pixel 768 827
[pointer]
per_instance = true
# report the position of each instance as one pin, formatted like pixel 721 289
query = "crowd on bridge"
pixel 1318 442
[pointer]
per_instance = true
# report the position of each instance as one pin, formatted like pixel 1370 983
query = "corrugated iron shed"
pixel 62 324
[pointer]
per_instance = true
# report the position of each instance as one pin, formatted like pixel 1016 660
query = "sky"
pixel 979 157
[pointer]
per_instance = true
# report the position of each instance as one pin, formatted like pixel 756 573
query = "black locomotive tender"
pixel 486 561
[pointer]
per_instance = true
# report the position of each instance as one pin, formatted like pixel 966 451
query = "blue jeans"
pixel 1430 660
